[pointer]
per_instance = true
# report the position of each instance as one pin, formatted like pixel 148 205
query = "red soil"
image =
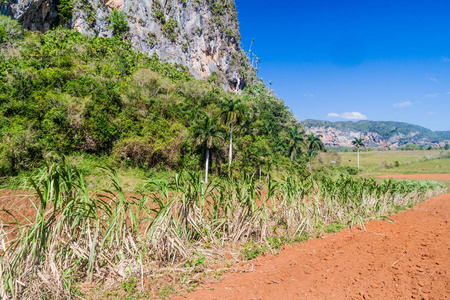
pixel 417 176
pixel 18 204
pixel 408 258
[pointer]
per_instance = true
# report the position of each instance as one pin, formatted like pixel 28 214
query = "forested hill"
pixel 444 135
pixel 376 133
pixel 73 93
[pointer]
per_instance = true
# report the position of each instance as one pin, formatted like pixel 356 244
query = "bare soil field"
pixel 18 204
pixel 416 176
pixel 443 178
pixel 404 257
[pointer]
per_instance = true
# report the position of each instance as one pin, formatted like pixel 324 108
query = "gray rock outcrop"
pixel 202 35
pixel 333 137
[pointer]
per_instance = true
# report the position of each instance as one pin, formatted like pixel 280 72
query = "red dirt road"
pixel 407 259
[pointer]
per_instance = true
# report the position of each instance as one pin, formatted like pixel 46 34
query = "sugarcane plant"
pixel 79 235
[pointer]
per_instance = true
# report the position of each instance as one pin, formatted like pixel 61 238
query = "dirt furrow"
pixel 406 258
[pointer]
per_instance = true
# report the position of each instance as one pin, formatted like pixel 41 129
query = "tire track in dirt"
pixel 405 259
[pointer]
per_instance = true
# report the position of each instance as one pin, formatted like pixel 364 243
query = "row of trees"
pixel 208 133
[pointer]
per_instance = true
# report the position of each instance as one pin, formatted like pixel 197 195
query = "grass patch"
pixel 334 227
pixel 398 162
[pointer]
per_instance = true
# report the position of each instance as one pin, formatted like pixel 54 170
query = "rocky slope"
pixel 202 35
pixel 376 134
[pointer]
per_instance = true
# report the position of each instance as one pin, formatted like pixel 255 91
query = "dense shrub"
pixel 67 92
pixel 119 23
pixel 9 29
pixel 65 11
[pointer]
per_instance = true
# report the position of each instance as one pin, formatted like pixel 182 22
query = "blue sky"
pixel 354 59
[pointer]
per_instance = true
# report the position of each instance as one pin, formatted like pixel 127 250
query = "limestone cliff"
pixel 202 35
pixel 376 134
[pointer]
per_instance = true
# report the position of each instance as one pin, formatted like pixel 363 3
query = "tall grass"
pixel 107 236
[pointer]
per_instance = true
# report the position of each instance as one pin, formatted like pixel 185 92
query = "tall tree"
pixel 296 140
pixel 259 153
pixel 232 113
pixel 310 154
pixel 208 134
pixel 314 141
pixel 358 143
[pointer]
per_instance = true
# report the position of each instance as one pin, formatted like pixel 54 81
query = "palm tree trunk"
pixel 292 155
pixel 357 149
pixel 206 166
pixel 259 172
pixel 230 155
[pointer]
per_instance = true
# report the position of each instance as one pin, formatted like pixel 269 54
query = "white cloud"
pixel 403 104
pixel 431 112
pixel 348 116
pixel 434 95
pixel 333 115
pixel 309 95
pixel 433 79
pixel 354 116
pixel 445 59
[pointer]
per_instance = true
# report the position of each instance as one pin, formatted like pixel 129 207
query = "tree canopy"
pixel 72 93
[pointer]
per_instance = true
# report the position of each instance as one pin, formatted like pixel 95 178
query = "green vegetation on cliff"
pixel 445 135
pixel 67 92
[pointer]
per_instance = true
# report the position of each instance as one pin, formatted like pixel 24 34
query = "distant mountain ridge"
pixel 377 134
pixel 443 134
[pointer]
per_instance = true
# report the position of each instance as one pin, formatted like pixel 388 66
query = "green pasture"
pixel 376 163
pixel 399 162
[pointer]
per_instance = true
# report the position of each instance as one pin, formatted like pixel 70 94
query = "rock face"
pixel 202 35
pixel 33 15
pixel 376 134
pixel 333 137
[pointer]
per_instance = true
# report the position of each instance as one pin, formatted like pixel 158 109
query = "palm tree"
pixel 232 113
pixel 250 49
pixel 296 140
pixel 269 161
pixel 314 141
pixel 208 134
pixel 260 155
pixel 310 154
pixel 358 143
